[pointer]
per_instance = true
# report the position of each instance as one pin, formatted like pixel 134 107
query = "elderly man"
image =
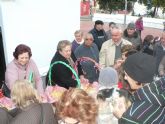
pixel 111 49
pixel 88 49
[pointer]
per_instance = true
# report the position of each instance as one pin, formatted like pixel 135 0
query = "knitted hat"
pixel 108 77
pixel 140 67
pixel 131 26
pixel 99 22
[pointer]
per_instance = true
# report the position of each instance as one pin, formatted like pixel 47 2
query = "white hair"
pixel 118 27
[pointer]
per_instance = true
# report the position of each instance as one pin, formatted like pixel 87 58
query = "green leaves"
pixel 115 5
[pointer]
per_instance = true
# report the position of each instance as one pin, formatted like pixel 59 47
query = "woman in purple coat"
pixel 23 67
pixel 78 40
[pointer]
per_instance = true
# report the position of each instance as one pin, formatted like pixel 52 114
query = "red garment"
pixel 120 85
pixel 139 24
pixel 1 93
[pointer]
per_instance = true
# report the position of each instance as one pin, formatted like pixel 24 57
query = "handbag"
pixel 5 90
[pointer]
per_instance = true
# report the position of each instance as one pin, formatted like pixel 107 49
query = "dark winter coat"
pixel 62 75
pixel 135 39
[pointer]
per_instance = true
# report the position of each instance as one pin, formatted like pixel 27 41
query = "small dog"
pixel 108 99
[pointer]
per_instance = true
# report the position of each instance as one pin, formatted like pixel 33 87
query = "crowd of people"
pixel 129 71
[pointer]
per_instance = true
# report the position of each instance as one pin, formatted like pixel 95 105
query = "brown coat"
pixel 33 115
pixel 4 116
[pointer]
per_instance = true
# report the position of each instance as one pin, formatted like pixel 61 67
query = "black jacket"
pixel 62 75
pixel 99 37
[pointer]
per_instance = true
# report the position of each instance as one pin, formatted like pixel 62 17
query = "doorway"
pixel 2 61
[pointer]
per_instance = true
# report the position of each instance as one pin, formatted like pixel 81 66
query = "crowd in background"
pixel 130 73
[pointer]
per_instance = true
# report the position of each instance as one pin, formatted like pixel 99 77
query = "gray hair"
pixel 62 44
pixel 78 32
pixel 118 27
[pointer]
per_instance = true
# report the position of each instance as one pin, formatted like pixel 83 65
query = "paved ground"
pixel 88 25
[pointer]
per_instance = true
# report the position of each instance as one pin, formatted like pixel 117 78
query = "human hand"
pixel 119 107
pixel 161 73
pixel 83 79
pixel 118 63
pixel 98 66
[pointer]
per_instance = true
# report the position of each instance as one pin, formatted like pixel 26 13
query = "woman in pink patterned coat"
pixel 23 67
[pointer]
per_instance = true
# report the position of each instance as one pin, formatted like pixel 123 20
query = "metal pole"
pixel 125 13
pixel 91 8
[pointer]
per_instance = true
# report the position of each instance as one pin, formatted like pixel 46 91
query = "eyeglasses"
pixel 89 39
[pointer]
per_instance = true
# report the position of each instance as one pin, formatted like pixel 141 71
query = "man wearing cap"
pixel 148 105
pixel 98 33
pixel 132 35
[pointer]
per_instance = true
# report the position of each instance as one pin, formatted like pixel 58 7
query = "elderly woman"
pixel 23 67
pixel 62 75
pixel 78 39
pixel 29 108
pixel 76 107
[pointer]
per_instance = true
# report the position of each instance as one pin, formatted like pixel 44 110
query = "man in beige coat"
pixel 111 49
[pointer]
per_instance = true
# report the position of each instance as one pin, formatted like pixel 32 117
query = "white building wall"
pixel 40 24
